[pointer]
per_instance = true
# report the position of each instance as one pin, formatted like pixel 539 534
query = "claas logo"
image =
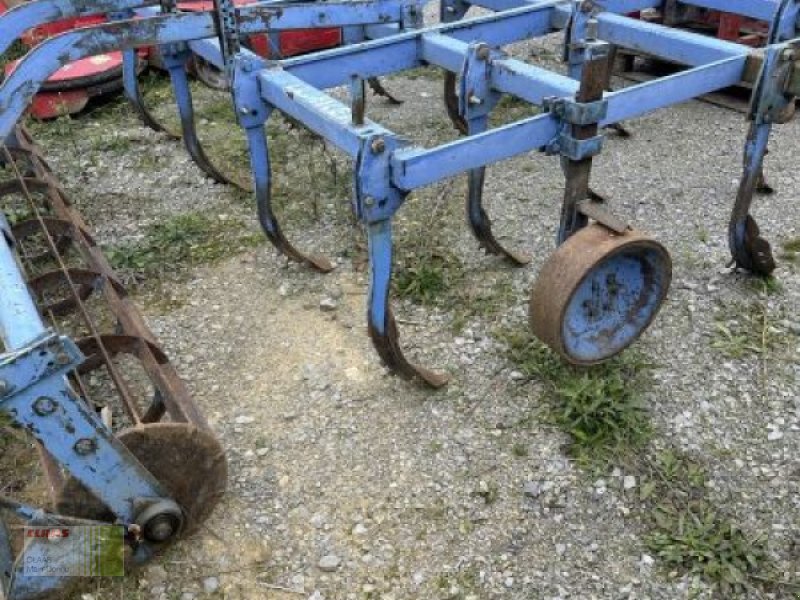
pixel 50 533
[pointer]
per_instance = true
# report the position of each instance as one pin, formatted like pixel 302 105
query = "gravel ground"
pixel 348 483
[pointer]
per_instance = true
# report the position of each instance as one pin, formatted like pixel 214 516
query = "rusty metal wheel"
pixel 598 292
pixel 187 460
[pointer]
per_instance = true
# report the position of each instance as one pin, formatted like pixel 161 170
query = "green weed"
pixel 179 243
pixel 599 407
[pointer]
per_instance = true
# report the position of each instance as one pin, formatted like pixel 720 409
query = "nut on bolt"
pixel 789 54
pixel 378 145
pixel 369 201
pixel 44 406
pixel 484 52
pixel 85 446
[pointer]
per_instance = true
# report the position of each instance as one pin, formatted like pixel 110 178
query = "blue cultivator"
pixel 606 282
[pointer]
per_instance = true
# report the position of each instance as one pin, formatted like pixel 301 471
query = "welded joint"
pixel 49 356
pixel 476 96
pixel 376 198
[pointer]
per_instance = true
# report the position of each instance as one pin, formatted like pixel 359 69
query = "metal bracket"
pixel 49 356
pixel 476 97
pixel 251 111
pixel 598 212
pixel 772 94
pixel 575 149
pixel 576 113
pixel 376 199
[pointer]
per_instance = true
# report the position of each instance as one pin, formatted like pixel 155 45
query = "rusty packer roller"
pixel 120 439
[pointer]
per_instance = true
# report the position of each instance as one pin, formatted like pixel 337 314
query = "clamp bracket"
pixel 577 113
pixel 574 149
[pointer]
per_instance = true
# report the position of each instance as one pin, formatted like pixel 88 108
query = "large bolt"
pixel 378 145
pixel 475 100
pixel 62 358
pixel 160 528
pixel 369 201
pixel 44 406
pixel 788 54
pixel 484 52
pixel 85 446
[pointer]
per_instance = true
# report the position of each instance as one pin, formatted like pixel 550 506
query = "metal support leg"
pixel 176 63
pixel 478 220
pixel 594 74
pixel 381 322
pixel 750 251
pixel 450 11
pixel 262 176
pixel 476 100
pixel 358 101
pixel 769 105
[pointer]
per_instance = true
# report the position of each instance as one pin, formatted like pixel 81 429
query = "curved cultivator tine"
pixel 381 323
pixel 451 103
pixel 481 225
pixel 259 160
pixel 183 98
pixel 379 90
pixel 133 92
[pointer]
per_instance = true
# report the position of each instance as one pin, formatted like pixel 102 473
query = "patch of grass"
pixel 690 535
pixel 179 243
pixel 599 407
pixel 792 245
pixel 510 108
pixel 428 277
pixel 745 330
pixel 767 286
pixel 465 580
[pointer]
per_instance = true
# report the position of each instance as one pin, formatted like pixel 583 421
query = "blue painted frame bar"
pixel 27 15
pixel 317 110
pixel 20 323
